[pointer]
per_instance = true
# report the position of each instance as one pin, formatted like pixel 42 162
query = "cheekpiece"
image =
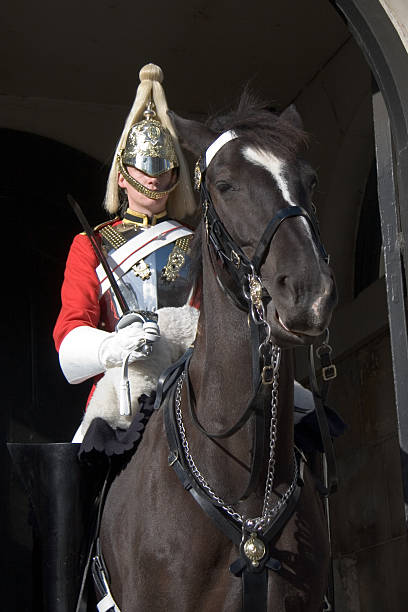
pixel 149 146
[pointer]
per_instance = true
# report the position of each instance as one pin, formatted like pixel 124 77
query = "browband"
pixel 217 145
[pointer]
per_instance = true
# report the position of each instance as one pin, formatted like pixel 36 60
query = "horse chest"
pixel 178 560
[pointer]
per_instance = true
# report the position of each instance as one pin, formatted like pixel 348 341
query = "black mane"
pixel 260 127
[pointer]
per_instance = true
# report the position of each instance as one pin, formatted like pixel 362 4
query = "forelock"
pixel 260 128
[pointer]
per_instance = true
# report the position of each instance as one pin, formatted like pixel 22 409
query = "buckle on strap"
pixel 329 372
pixel 267 374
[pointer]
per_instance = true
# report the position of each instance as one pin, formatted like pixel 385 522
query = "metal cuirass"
pixel 150 265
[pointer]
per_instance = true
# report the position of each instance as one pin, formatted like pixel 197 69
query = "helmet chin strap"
pixel 153 195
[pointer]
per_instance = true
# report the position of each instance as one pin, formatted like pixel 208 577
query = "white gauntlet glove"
pixel 87 351
pixel 135 338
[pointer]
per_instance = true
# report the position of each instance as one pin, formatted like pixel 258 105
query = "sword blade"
pixel 99 253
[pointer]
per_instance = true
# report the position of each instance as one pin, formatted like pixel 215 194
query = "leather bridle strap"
pixel 239 268
pixel 255 406
pixel 327 442
pixel 273 226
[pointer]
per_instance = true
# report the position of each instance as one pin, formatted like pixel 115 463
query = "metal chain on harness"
pixel 269 510
pixel 269 359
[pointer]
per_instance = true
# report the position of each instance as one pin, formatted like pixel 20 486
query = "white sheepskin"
pixel 178 328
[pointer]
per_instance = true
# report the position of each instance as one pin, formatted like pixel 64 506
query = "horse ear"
pixel 291 115
pixel 193 135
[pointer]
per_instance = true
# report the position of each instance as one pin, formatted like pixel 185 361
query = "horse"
pixel 265 283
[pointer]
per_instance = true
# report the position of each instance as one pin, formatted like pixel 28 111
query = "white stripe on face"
pixel 271 164
pixel 276 167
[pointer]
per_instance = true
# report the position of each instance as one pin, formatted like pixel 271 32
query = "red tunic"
pixel 80 290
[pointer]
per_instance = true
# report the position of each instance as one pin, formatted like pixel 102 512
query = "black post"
pixel 61 492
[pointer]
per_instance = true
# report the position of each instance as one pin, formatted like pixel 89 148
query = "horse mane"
pixel 257 125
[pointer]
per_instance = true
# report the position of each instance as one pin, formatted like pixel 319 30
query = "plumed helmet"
pixel 150 144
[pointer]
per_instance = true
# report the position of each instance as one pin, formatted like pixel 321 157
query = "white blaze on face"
pixel 271 164
pixel 276 167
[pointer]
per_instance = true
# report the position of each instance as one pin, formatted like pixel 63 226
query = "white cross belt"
pixel 139 247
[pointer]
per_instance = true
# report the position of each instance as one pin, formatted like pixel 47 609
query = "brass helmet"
pixel 149 143
pixel 149 148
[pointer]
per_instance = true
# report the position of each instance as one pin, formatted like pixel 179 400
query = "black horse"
pixel 163 552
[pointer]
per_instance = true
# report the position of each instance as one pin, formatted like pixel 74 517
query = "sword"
pixel 99 253
pixel 128 317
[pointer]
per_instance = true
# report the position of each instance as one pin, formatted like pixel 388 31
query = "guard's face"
pixel 140 202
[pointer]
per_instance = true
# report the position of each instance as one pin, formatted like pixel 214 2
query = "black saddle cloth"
pixel 115 443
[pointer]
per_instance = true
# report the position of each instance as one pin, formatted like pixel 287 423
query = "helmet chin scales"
pixel 153 195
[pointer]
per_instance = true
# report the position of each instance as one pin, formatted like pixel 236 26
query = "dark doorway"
pixel 38 404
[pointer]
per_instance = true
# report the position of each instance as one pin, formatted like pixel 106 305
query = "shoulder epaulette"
pixel 103 224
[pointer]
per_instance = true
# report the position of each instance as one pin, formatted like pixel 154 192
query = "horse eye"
pixel 313 183
pixel 223 186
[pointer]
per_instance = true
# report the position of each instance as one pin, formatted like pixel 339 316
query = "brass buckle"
pixel 329 372
pixel 267 375
pixel 172 458
pixel 235 258
pixel 255 291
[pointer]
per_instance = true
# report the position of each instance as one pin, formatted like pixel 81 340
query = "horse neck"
pixel 221 378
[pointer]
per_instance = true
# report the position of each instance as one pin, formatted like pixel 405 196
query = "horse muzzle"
pixel 300 315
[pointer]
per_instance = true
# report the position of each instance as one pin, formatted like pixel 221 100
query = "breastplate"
pixel 158 279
